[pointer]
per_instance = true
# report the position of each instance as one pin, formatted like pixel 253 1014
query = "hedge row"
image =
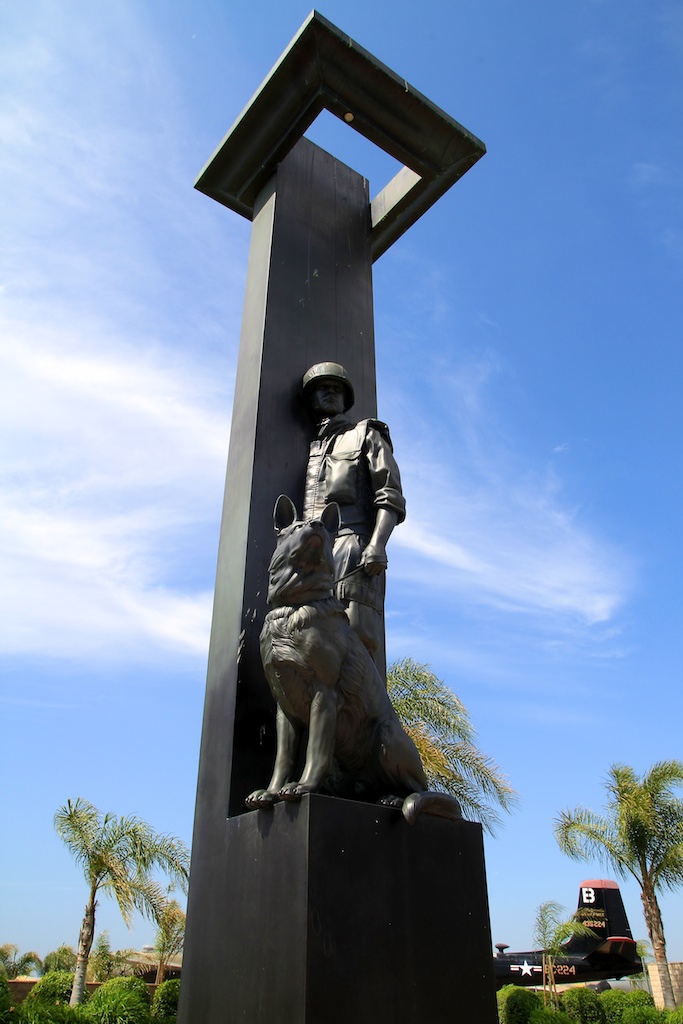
pixel 126 1001
pixel 583 1006
pixel 117 1001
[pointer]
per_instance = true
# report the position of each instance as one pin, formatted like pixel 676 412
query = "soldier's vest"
pixel 338 471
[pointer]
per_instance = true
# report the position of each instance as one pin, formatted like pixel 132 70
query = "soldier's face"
pixel 327 398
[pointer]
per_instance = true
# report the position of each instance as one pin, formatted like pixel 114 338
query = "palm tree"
pixel 61 959
pixel 551 932
pixel 105 963
pixel 641 834
pixel 117 856
pixel 439 725
pixel 12 965
pixel 169 938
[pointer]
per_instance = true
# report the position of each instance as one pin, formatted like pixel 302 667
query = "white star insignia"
pixel 525 968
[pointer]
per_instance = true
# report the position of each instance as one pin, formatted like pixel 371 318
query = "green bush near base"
pixel 46 1013
pixel 119 1001
pixel 549 1015
pixel 5 1001
pixel 583 1006
pixel 165 1002
pixel 641 1013
pixel 614 1001
pixel 515 1004
pixel 52 988
pixel 639 997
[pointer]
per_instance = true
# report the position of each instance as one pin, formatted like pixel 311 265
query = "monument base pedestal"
pixel 341 913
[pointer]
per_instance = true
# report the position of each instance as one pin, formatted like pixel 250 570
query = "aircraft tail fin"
pixel 601 909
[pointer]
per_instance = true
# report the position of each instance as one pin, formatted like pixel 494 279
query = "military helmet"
pixel 329 371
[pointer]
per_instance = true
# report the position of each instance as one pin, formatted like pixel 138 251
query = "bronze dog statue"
pixel 324 680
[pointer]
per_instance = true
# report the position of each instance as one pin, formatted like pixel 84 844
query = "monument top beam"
pixel 323 68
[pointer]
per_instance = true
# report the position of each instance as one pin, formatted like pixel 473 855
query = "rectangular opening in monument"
pixel 331 133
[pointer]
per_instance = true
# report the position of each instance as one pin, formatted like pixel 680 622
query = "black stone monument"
pixel 328 910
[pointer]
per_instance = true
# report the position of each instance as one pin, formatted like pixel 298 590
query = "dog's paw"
pixel 295 790
pixel 391 801
pixel 261 798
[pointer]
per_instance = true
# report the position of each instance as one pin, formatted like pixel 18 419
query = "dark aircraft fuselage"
pixel 609 953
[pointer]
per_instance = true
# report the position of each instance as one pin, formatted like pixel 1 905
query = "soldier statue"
pixel 353 464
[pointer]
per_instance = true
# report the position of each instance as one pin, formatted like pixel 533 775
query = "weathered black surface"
pixel 341 913
pixel 308 298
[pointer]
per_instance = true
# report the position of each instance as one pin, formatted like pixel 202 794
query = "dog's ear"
pixel 331 518
pixel 284 513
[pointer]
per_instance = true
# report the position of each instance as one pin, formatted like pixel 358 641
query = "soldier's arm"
pixel 374 559
pixel 388 497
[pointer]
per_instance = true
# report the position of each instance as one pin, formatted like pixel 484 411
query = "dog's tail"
pixel 442 805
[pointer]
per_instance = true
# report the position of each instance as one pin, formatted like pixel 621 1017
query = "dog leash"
pixel 351 572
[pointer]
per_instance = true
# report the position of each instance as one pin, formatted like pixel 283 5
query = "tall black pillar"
pixel 308 298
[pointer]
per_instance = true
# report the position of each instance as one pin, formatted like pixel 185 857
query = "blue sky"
pixel 529 365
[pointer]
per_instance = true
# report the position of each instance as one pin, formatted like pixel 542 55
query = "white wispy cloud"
pixel 117 339
pixel 505 565
pixel 491 537
pixel 112 463
pixel 504 539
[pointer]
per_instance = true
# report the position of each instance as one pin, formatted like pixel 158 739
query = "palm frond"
pixel 171 931
pixel 439 725
pixel 584 835
pixel 552 930
pixel 13 964
pixel 78 824
pixel 548 917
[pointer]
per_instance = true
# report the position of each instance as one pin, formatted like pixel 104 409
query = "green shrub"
pixel 614 1001
pixel 44 1013
pixel 5 1001
pixel 675 1016
pixel 119 1001
pixel 639 997
pixel 165 1002
pixel 583 1006
pixel 548 1015
pixel 515 1004
pixel 641 1013
pixel 52 988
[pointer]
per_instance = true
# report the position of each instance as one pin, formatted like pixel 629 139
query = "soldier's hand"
pixel 374 560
